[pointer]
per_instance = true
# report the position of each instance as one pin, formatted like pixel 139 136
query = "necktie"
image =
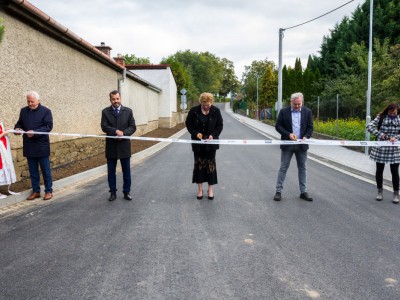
pixel 116 111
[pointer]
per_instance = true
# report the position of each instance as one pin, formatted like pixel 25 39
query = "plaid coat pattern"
pixel 391 128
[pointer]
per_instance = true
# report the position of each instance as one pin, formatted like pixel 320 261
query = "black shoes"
pixel 127 196
pixel 277 196
pixel 306 196
pixel 201 197
pixel 113 196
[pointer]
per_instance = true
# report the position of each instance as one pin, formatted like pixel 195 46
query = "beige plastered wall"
pixel 74 86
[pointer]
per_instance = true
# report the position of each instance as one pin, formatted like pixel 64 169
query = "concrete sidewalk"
pixel 351 161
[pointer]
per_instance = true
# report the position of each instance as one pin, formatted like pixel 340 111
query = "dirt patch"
pixel 94 161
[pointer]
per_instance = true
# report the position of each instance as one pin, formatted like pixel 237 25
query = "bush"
pixel 348 129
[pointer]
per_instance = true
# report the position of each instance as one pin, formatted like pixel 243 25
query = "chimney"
pixel 105 49
pixel 120 60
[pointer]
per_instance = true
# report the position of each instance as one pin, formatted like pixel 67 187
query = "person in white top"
pixel 7 172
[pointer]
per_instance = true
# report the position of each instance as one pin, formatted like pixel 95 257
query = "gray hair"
pixel 297 95
pixel 34 94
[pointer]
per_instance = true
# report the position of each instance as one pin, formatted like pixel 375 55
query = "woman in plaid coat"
pixel 386 127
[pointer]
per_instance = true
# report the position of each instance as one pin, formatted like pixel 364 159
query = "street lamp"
pixel 368 112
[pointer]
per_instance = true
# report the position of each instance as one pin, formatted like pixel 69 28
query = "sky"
pixel 240 30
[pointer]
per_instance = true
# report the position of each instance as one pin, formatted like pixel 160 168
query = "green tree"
pixel 313 63
pixel 385 75
pixel 1 29
pixel 208 72
pixel 229 83
pixel 351 85
pixel 266 72
pixel 298 76
pixel 311 77
pixel 204 68
pixel 286 83
pixel 388 73
pixel 356 30
pixel 182 78
pixel 342 67
pixel 294 81
pixel 269 87
pixel 308 85
pixel 131 59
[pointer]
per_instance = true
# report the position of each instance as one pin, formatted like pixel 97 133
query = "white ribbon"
pixel 226 142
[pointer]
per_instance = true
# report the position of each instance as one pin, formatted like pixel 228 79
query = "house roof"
pixel 147 67
pixel 28 13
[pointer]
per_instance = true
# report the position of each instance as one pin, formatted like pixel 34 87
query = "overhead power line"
pixel 281 30
pixel 319 16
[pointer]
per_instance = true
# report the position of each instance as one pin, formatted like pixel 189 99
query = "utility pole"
pixel 279 104
pixel 281 30
pixel 258 77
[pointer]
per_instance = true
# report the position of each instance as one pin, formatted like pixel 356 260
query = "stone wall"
pixel 179 117
pixel 176 118
pixel 61 153
pixel 65 152
pixel 142 129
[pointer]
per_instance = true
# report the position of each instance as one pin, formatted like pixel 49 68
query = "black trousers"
pixel 394 169
pixel 205 168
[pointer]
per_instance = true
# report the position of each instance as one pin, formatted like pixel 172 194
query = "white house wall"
pixel 144 103
pixel 164 79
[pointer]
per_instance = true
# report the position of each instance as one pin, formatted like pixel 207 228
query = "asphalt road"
pixel 165 244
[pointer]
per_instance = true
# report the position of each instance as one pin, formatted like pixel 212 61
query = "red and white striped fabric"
pixel 7 171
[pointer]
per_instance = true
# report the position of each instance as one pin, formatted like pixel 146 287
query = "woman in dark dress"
pixel 204 122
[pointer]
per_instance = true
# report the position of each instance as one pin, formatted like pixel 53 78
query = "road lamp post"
pixel 368 112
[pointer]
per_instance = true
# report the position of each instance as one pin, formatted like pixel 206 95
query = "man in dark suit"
pixel 294 123
pixel 36 147
pixel 117 120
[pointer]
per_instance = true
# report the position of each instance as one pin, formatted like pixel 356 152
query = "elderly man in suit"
pixel 294 123
pixel 36 147
pixel 117 120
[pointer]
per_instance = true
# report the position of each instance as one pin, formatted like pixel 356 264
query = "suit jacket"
pixel 214 128
pixel 284 125
pixel 39 119
pixel 110 123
